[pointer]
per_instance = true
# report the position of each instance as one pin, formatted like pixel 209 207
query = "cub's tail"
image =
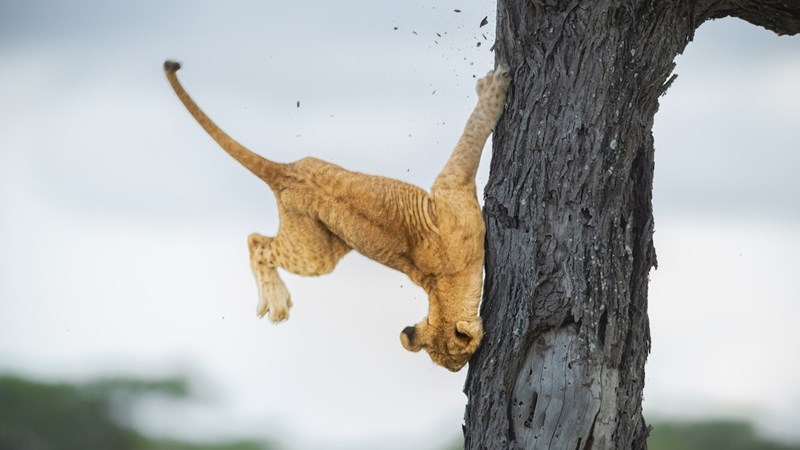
pixel 269 171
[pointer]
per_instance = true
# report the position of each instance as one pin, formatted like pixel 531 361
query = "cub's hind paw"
pixel 274 301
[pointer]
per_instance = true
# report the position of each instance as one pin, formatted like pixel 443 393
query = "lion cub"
pixel 435 238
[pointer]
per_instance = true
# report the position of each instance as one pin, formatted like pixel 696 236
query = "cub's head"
pixel 449 345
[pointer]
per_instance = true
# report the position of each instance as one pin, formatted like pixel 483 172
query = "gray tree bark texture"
pixel 569 242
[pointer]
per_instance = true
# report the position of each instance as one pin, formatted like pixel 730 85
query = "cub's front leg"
pixel 461 168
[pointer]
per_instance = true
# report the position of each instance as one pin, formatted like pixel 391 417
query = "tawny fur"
pixel 436 237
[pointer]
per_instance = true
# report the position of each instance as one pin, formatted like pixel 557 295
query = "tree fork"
pixel 569 239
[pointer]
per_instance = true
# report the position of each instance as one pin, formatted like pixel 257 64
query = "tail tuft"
pixel 172 66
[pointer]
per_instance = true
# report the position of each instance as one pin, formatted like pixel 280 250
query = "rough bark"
pixel 569 242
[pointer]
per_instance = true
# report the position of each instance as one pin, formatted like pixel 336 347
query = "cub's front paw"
pixel 494 80
pixel 502 70
pixel 501 78
pixel 492 94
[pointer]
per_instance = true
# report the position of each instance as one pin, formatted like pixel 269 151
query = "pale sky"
pixel 123 226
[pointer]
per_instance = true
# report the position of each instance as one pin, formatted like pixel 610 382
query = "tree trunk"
pixel 569 243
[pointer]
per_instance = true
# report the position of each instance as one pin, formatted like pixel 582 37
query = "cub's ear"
pixel 408 339
pixel 472 331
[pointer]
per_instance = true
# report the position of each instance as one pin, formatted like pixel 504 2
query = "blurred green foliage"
pixel 714 435
pixel 43 416
pixel 708 435
pixel 92 416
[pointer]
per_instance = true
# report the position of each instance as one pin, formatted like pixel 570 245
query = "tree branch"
pixel 779 16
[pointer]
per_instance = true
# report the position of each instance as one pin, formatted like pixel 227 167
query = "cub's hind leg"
pixel 273 297
pixel 303 246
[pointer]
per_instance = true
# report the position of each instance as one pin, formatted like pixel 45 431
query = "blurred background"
pixel 127 306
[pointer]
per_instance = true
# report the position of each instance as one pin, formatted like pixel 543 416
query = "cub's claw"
pixel 502 70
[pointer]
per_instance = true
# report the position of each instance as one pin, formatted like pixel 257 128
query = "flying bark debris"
pixel 298 103
pixel 479 44
pixel 457 10
pixel 395 28
pixel 485 21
